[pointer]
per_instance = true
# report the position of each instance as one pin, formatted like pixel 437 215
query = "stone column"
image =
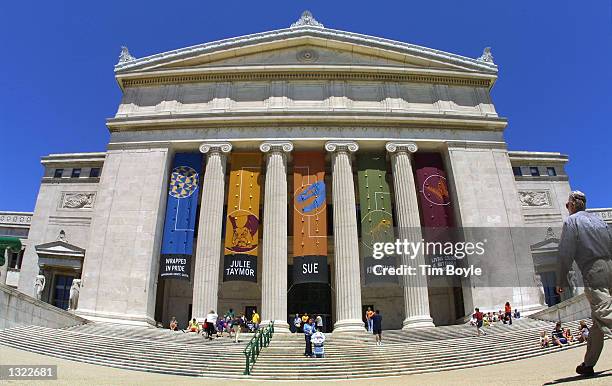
pixel 346 243
pixel 274 270
pixel 4 268
pixel 208 249
pixel 416 300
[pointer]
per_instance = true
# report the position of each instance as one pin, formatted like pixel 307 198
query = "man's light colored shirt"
pixel 584 239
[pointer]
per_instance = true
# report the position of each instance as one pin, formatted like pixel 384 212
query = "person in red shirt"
pixel 478 317
pixel 508 312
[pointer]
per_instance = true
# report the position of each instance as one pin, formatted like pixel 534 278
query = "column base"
pixel 423 321
pixel 280 326
pixel 349 325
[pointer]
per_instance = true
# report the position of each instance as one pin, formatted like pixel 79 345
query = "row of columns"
pixel 274 246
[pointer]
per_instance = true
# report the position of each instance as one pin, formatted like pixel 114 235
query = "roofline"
pixel 538 156
pixel 325 33
pixel 61 158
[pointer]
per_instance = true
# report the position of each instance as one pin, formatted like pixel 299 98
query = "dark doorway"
pixel 310 298
pixel 61 291
pixel 248 311
pixel 549 281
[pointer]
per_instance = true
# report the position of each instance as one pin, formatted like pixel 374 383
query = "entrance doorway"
pixel 310 298
pixel 61 291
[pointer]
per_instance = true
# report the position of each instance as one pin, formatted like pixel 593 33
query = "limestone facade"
pixel 309 88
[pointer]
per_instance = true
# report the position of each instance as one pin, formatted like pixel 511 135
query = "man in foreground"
pixel 587 240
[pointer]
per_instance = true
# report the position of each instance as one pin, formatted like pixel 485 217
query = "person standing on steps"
pixel 319 322
pixel 255 320
pixel 587 240
pixel 369 315
pixel 478 318
pixel 297 323
pixel 309 329
pixel 211 322
pixel 508 312
pixel 377 327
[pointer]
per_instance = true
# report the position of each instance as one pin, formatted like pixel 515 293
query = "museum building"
pixel 257 172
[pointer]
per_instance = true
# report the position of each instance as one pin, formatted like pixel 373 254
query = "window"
pixel 94 172
pixel 534 171
pixel 551 171
pixel 517 171
pixel 58 173
pixel 76 173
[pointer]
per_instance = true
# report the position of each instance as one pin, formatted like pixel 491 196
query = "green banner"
pixel 376 218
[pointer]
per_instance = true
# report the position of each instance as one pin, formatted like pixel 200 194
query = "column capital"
pixel 341 146
pixel 276 146
pixel 397 147
pixel 215 147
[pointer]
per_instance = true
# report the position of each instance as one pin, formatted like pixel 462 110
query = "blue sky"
pixel 555 60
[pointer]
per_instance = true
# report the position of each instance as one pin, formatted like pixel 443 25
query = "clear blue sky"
pixel 555 60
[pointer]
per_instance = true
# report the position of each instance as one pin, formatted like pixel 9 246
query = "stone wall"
pixel 19 309
pixel 572 309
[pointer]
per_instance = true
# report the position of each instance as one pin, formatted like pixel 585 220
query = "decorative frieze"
pixel 15 218
pixel 534 198
pixel 77 200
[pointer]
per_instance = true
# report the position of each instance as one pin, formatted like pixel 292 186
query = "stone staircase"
pixel 402 352
pixel 347 356
pixel 142 349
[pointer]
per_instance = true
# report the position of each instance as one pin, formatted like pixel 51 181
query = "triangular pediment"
pixel 302 47
pixel 546 245
pixel 59 248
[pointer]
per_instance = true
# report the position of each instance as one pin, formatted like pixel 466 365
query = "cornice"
pixel 287 73
pixel 339 118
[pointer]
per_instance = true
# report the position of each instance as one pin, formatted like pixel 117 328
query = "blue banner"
pixel 181 208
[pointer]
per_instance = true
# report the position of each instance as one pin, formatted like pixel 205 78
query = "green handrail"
pixel 260 340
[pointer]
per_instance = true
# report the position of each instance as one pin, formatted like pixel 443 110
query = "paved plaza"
pixel 556 368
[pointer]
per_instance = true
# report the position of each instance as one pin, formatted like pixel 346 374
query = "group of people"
pixel 300 321
pixel 560 336
pixel 374 324
pixel 480 319
pixel 215 326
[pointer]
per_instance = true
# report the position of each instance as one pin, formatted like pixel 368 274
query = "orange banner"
pixel 242 226
pixel 309 204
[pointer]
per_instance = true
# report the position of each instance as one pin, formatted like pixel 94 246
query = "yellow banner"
pixel 242 225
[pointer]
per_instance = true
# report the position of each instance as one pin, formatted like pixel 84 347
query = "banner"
pixel 240 267
pixel 242 224
pixel 309 204
pixel 375 215
pixel 437 218
pixel 181 208
pixel 310 269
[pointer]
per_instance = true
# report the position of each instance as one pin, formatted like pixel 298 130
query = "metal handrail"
pixel 260 340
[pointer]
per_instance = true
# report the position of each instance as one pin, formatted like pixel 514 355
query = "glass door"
pixel 61 291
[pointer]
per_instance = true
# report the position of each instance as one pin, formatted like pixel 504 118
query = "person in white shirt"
pixel 211 322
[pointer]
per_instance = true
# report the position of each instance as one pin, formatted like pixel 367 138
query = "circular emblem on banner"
pixel 310 199
pixel 183 182
pixel 435 190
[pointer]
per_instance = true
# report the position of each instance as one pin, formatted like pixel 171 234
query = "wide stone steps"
pixel 417 351
pixel 347 356
pixel 129 349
